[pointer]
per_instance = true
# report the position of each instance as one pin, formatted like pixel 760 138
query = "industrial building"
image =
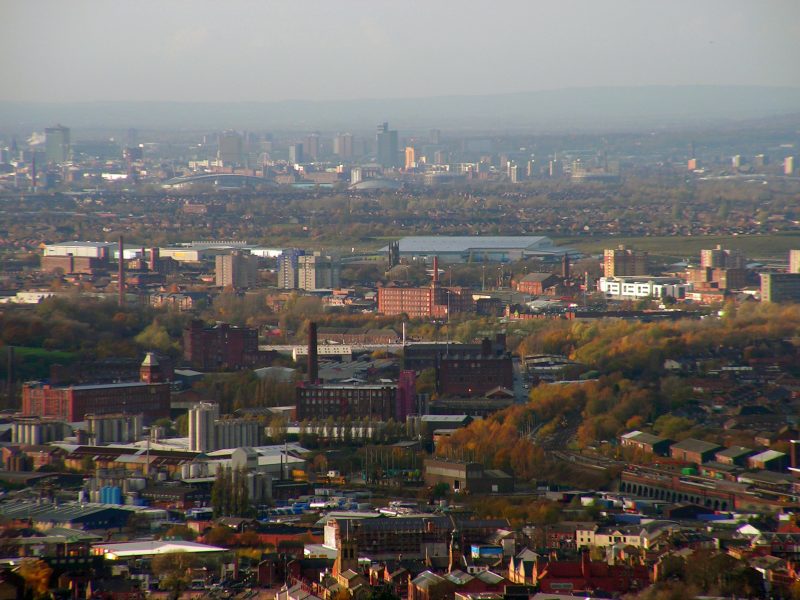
pixel 461 249
pixel 467 477
pixel 434 301
pixel 208 432
pixel 220 347
pixel 115 428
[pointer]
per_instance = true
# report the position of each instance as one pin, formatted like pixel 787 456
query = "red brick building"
pixel 432 302
pixel 72 403
pixel 537 284
pixel 351 401
pixel 222 347
pixel 463 372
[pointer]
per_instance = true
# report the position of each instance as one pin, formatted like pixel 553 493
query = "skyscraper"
pixel 720 258
pixel 343 145
pixel 296 154
pixel 387 146
pixel 230 149
pixel 624 262
pixel 317 272
pixel 410 158
pixel 237 270
pixel 288 268
pixel 311 146
pixel 788 165
pixel 57 144
pixel 794 261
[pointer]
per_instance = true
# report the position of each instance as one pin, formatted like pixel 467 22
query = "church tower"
pixel 150 371
pixel 348 551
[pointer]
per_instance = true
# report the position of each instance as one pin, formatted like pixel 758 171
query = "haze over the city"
pixel 236 51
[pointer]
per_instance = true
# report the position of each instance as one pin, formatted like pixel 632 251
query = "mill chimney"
pixel 313 362
pixel 121 272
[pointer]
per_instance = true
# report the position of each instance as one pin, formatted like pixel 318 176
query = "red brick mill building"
pixel 150 396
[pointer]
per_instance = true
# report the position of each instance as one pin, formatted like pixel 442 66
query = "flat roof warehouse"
pixel 466 248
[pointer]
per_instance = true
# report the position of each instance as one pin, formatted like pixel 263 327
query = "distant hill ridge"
pixel 592 109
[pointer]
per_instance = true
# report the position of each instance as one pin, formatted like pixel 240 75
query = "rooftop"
pixel 693 445
pixel 152 547
pixel 465 243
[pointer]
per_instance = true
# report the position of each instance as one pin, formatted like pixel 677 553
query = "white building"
pixel 209 432
pixel 639 536
pixel 82 249
pixel 628 288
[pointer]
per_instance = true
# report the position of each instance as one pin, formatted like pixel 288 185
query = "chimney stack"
pixel 565 266
pixel 435 269
pixel 313 362
pixel 154 256
pixel 121 272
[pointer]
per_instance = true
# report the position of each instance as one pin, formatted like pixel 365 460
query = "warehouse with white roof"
pixel 465 248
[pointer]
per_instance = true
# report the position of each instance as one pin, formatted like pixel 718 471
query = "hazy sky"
pixel 232 50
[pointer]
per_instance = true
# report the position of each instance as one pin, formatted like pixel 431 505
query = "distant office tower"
pixel 132 138
pixel 513 173
pixel 788 165
pixel 311 147
pixel 201 426
pixel 288 268
pixel 57 144
pixel 719 258
pixel 317 272
pixel 692 164
pixel 343 145
pixel 555 168
pixel 736 161
pixel 440 157
pixel 386 142
pixel 624 262
pixel 296 154
pixel 794 261
pixel 237 270
pixel 435 137
pixel 411 161
pixel 356 175
pixel 760 161
pixel 230 149
pixel 780 287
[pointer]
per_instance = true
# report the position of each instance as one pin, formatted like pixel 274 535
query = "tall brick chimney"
pixel 121 272
pixel 313 360
pixel 435 269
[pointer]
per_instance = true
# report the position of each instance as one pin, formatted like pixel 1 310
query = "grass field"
pixel 774 246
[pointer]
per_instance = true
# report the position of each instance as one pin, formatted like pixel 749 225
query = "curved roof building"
pixel 503 248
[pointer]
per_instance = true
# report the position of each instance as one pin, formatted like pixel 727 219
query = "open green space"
pixel 770 246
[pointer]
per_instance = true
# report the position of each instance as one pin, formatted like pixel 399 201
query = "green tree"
pixel 173 570
pixel 156 337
